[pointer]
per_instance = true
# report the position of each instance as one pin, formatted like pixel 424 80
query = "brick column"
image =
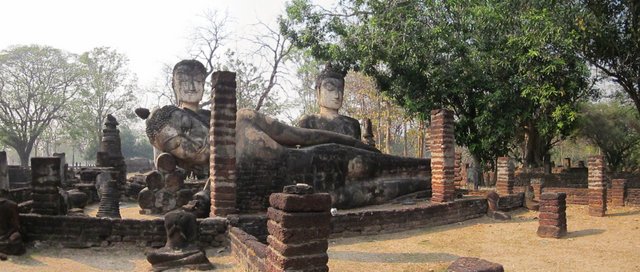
pixel 299 226
pixel 4 172
pixel 597 189
pixel 222 139
pixel 442 146
pixel 553 215
pixel 504 183
pixel 538 185
pixel 457 170
pixel 45 180
pixel 617 192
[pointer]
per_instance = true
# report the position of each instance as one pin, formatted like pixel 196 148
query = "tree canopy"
pixel 501 66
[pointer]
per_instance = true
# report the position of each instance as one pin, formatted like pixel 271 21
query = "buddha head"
pixel 330 88
pixel 188 83
pixel 180 132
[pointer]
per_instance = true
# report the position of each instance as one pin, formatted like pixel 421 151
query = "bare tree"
pixel 36 85
pixel 209 38
pixel 274 48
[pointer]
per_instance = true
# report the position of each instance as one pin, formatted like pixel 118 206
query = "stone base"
pixel 190 258
pixel 532 205
pixel 468 264
pixel 498 215
pixel 551 231
pixel 12 247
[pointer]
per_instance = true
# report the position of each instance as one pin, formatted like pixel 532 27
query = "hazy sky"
pixel 148 32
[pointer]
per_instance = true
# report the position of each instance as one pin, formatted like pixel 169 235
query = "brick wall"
pixel 73 231
pixel 633 197
pixel 250 253
pixel 577 196
pixel 406 218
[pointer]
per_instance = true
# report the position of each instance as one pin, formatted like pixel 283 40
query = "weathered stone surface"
pixel 505 180
pixel 468 264
pixel 300 203
pixel 45 174
pixel 109 200
pixel 110 153
pixel 552 218
pixel 10 237
pixel 4 172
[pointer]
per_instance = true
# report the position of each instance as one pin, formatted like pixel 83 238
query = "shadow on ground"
pixel 357 256
pixel 583 233
pixel 624 213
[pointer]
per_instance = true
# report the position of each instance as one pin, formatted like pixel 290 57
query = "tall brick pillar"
pixel 457 171
pixel 442 146
pixel 597 186
pixel 553 215
pixel 222 139
pixel 617 192
pixel 4 172
pixel 299 226
pixel 504 183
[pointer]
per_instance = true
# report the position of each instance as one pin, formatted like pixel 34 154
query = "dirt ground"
pixel 611 243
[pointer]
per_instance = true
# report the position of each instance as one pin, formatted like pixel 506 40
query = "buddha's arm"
pixel 292 136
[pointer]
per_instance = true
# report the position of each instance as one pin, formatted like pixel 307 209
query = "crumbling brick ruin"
pixel 505 181
pixel 597 186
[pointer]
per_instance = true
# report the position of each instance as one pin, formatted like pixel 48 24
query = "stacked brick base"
pixel 505 181
pixel 299 227
pixel 553 215
pixel 442 146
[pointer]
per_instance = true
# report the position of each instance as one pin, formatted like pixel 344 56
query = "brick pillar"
pixel 442 146
pixel 504 183
pixel 617 192
pixel 45 180
pixel 299 226
pixel 4 172
pixel 457 170
pixel 566 163
pixel 222 139
pixel 597 189
pixel 553 215
pixel 538 185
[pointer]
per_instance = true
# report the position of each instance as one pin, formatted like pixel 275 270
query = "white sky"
pixel 148 32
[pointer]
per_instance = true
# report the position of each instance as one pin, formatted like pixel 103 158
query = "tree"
pixel 134 143
pixel 474 57
pixel 615 129
pixel 36 85
pixel 109 90
pixel 611 41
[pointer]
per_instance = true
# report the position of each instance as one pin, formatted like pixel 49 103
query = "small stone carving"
pixel 367 138
pixel 492 210
pixel 200 206
pixel 180 249
pixel 10 237
pixel 330 88
pixel 529 203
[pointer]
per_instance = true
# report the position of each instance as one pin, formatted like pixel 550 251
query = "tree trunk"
pixel 535 148
pixel 476 172
pixel 421 136
pixel 404 140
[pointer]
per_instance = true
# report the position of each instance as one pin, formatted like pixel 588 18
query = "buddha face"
pixel 188 84
pixel 185 137
pixel 331 92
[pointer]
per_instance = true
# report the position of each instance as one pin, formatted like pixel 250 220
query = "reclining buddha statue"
pixel 271 154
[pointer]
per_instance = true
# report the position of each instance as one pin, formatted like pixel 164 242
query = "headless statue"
pixel 330 89
pixel 181 250
pixel 10 238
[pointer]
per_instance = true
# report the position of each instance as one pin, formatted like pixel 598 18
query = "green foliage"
pixel 109 90
pixel 610 39
pixel 37 84
pixel 615 129
pixel 135 144
pixel 499 65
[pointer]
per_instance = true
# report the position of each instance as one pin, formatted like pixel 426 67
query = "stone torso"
pixel 340 124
